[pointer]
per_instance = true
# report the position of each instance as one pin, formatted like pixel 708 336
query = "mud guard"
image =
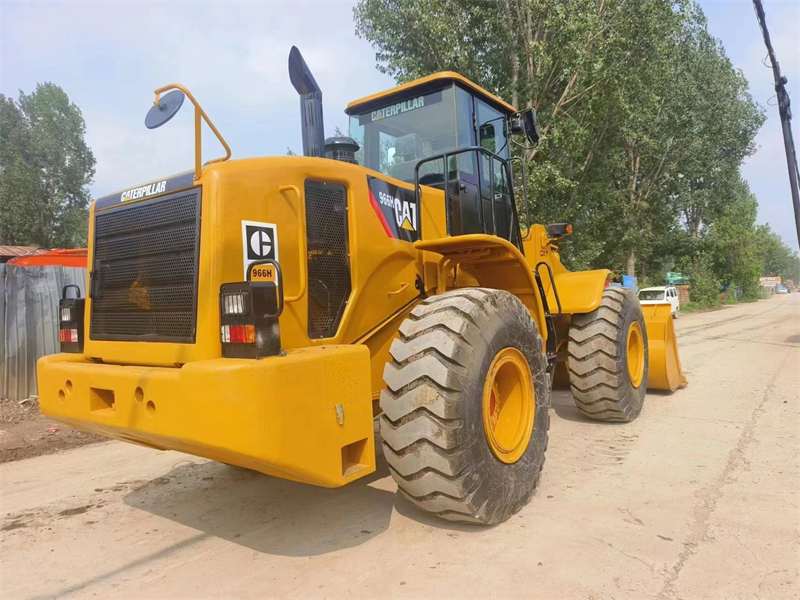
pixel 580 292
pixel 664 363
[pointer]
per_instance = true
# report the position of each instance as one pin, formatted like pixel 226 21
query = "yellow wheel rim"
pixel 635 353
pixel 509 405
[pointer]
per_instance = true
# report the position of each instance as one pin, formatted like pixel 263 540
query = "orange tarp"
pixel 65 258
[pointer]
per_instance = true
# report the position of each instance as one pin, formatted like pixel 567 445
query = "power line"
pixel 785 111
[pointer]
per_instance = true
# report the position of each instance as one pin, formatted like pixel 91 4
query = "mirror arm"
pixel 199 116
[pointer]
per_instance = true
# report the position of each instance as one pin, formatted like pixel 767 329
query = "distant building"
pixel 9 252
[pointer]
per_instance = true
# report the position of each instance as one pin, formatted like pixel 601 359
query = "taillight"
pixel 70 320
pixel 249 312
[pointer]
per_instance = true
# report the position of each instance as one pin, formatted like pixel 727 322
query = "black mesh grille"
pixel 328 257
pixel 144 279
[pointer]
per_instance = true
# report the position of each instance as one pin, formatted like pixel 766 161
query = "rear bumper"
pixel 277 415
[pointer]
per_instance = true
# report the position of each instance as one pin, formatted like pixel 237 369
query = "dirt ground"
pixel 698 498
pixel 25 432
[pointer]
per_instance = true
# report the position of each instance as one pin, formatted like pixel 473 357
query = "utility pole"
pixel 785 112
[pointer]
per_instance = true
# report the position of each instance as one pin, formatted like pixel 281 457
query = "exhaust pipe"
pixel 310 104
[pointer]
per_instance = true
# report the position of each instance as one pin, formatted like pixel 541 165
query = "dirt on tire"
pixel 598 373
pixel 432 423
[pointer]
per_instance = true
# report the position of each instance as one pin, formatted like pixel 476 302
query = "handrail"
pixel 552 283
pixel 199 114
pixel 524 194
pixel 66 287
pixel 444 158
pixel 301 244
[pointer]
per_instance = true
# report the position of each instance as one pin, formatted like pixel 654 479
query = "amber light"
pixel 238 334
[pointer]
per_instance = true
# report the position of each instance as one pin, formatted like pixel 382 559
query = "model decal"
pixel 259 241
pixel 396 208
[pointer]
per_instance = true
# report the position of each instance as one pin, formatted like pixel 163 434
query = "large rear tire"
pixel 608 358
pixel 465 420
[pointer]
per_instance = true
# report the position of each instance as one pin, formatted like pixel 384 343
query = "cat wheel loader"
pixel 262 312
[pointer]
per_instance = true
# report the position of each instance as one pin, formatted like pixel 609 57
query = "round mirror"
pixel 168 105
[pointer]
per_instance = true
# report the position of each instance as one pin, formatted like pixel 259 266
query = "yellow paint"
pixel 352 107
pixel 269 415
pixel 664 364
pixel 278 415
pixel 264 273
pixel 635 354
pixel 509 405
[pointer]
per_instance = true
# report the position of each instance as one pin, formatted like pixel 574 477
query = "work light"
pixel 249 312
pixel 70 320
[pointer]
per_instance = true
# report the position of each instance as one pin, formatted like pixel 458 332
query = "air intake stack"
pixel 341 148
pixel 310 104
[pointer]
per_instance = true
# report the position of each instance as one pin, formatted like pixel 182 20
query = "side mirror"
pixel 524 122
pixel 530 125
pixel 487 131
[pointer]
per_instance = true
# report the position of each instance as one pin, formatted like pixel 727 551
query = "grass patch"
pixel 690 307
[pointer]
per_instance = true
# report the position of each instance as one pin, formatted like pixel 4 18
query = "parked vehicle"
pixel 661 295
pixel 781 289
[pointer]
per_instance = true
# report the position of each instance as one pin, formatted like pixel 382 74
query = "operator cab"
pixel 409 132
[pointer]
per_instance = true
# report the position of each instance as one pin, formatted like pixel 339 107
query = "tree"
pixel 45 168
pixel 777 258
pixel 732 241
pixel 644 122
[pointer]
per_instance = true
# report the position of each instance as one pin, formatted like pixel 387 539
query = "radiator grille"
pixel 328 257
pixel 144 274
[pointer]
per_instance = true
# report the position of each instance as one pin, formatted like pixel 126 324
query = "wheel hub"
pixel 635 352
pixel 509 405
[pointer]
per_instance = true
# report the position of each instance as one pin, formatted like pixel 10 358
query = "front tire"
pixel 465 419
pixel 608 358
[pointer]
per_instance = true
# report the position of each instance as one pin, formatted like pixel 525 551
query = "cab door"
pixel 490 125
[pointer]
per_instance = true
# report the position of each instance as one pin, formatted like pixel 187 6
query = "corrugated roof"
pixel 21 250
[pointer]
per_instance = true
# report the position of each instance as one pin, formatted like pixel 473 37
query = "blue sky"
pixel 109 56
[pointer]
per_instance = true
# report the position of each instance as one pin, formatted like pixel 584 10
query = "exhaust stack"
pixel 310 104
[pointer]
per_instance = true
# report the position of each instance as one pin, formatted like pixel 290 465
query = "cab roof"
pixel 442 76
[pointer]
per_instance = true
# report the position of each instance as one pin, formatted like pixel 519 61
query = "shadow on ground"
pixel 281 517
pixel 267 514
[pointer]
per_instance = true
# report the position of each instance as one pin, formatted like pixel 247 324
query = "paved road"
pixel 699 498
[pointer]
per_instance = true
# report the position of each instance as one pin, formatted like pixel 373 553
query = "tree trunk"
pixel 512 49
pixel 632 263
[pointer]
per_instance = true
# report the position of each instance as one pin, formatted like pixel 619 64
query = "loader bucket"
pixel 664 365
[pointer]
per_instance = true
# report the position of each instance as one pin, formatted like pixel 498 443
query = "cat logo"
pixel 405 213
pixel 395 207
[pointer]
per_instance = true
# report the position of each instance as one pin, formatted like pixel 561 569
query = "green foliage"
pixel 45 168
pixel 644 123
pixel 705 287
pixel 778 260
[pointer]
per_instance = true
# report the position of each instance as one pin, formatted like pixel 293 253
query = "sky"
pixel 110 56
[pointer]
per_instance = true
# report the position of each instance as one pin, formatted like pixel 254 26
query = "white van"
pixel 661 295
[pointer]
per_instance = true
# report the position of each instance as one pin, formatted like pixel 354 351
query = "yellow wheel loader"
pixel 262 312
